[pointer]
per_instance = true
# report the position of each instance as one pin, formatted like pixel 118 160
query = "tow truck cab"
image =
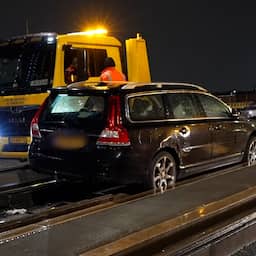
pixel 30 65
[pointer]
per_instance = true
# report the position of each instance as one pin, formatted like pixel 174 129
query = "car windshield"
pixel 26 65
pixel 77 110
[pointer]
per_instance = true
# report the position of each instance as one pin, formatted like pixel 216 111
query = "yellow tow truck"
pixel 30 65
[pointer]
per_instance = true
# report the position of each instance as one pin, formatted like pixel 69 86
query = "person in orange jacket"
pixel 110 73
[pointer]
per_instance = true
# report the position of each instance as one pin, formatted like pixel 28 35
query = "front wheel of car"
pixel 162 172
pixel 251 152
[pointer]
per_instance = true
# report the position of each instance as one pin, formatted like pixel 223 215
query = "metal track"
pixel 101 200
pixel 107 197
pixel 221 234
pixel 195 232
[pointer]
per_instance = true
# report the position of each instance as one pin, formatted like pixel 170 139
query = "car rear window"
pixel 75 108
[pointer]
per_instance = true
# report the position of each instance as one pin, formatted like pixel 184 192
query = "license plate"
pixel 69 142
pixel 18 140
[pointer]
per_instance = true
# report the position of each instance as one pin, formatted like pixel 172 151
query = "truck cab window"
pixel 80 64
pixel 26 65
pixel 95 61
pixel 74 65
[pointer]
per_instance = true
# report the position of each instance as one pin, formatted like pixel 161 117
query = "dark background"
pixel 212 43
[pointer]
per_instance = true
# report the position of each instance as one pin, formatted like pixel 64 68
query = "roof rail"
pixel 123 85
pixel 133 85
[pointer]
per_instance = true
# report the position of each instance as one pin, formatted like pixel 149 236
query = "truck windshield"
pixel 26 65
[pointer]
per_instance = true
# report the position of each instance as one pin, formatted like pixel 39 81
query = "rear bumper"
pixel 118 165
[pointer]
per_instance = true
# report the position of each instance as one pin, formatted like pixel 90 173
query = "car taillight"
pixel 34 127
pixel 114 133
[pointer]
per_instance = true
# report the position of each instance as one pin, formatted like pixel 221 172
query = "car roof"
pixel 123 86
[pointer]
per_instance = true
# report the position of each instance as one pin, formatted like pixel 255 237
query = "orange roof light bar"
pixel 98 31
pixel 91 32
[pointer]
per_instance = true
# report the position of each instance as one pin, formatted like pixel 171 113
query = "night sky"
pixel 211 43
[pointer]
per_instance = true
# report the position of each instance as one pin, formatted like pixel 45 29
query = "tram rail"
pixel 107 197
pixel 217 228
pixel 199 228
pixel 101 199
pixel 223 233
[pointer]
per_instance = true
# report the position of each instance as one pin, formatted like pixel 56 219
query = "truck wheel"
pixel 162 172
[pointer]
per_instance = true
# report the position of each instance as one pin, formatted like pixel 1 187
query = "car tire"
pixel 250 156
pixel 162 172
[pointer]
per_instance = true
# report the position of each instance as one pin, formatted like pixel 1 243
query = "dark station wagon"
pixel 147 133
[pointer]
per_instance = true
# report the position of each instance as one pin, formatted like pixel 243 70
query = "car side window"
pixel 146 107
pixel 182 106
pixel 213 107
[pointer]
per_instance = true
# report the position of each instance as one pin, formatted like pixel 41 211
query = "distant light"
pixel 50 39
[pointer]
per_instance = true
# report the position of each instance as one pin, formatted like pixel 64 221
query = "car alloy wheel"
pixel 251 155
pixel 164 172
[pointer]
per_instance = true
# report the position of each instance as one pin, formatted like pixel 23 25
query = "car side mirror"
pixel 235 113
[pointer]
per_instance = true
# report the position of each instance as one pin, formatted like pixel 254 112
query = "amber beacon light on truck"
pixel 32 64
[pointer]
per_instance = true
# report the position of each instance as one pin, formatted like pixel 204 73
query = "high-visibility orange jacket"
pixel 112 74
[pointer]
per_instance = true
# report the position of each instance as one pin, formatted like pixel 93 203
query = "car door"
pixel 224 127
pixel 191 130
